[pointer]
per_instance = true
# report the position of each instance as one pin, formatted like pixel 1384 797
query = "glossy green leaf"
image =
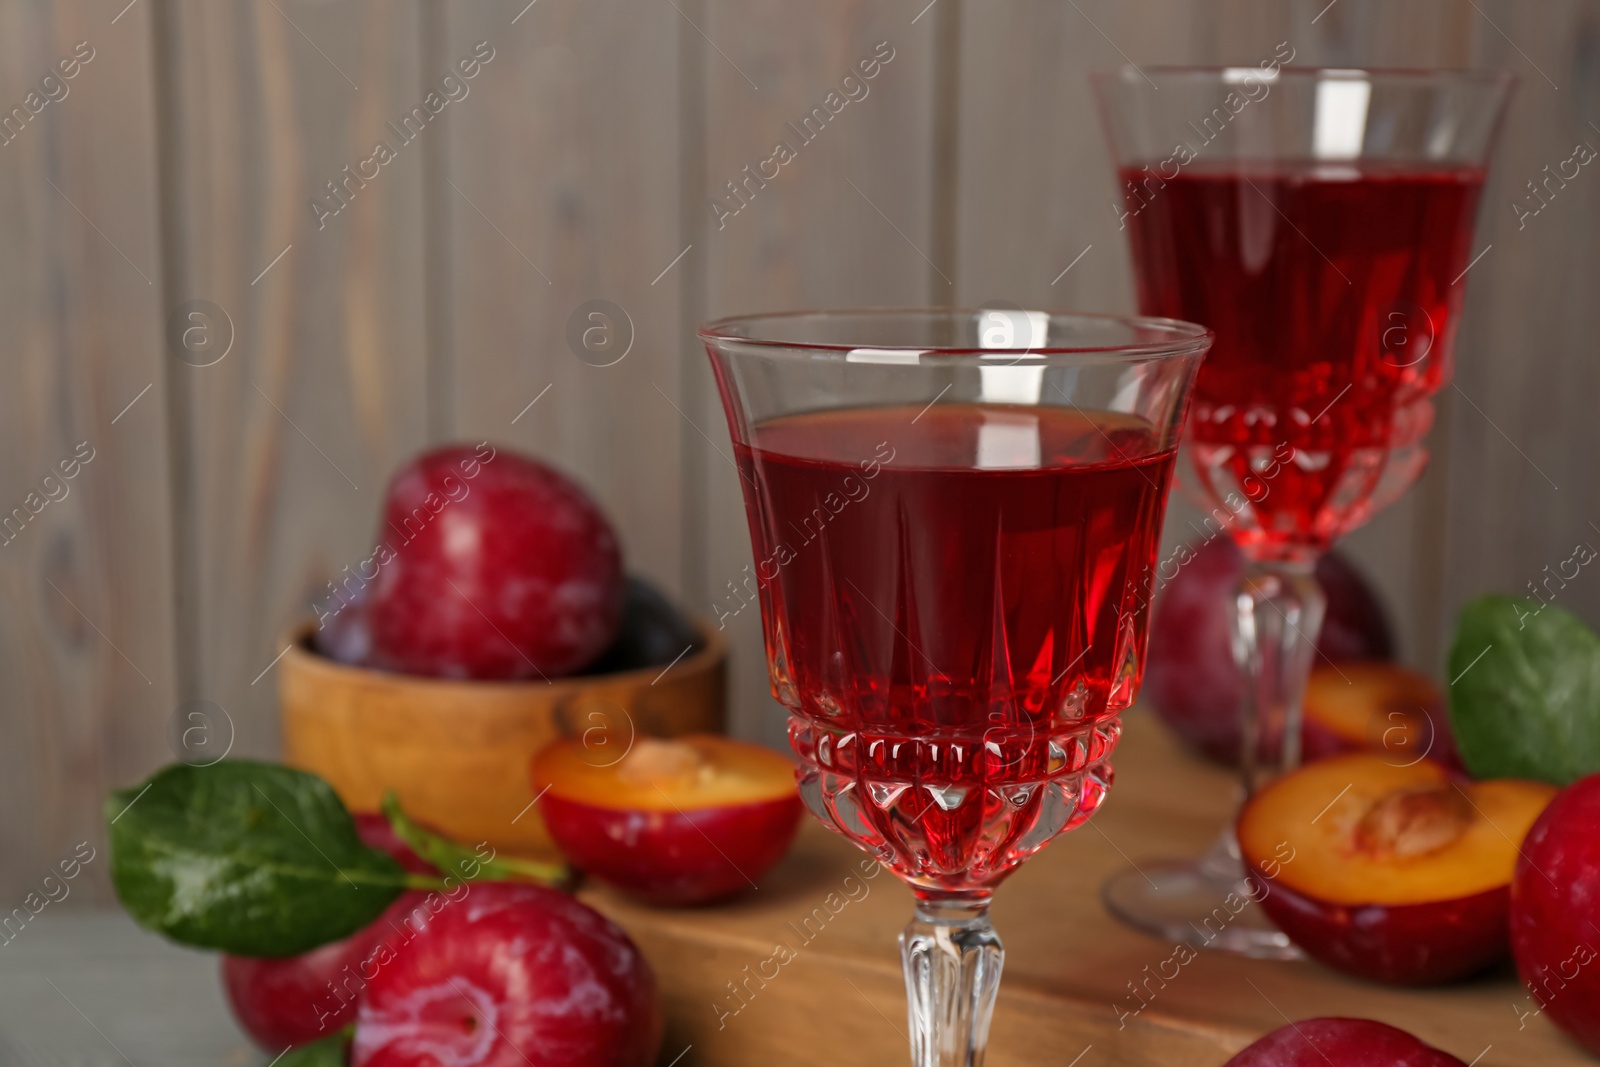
pixel 250 858
pixel 1525 695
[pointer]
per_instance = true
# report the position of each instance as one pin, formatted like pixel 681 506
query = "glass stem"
pixel 1278 608
pixel 952 960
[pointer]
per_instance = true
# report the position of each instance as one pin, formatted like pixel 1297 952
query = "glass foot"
pixel 1206 903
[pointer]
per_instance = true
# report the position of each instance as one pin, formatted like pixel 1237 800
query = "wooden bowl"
pixel 457 753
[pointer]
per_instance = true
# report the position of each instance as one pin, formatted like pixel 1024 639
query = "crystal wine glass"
pixel 1321 222
pixel 954 515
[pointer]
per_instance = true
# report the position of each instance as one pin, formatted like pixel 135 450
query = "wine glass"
pixel 1321 222
pixel 955 517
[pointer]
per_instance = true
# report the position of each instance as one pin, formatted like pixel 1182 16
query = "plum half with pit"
pixel 1393 873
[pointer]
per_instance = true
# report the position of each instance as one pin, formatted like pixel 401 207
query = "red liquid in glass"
pixel 1329 286
pixel 953 602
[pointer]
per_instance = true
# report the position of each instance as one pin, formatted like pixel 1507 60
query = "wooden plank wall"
pixel 283 445
pixel 87 676
pixel 580 165
pixel 560 188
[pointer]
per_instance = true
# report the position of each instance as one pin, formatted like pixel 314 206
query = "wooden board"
pixel 85 566
pixel 285 443
pixel 1067 967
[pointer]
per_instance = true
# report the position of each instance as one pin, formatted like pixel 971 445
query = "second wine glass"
pixel 1321 222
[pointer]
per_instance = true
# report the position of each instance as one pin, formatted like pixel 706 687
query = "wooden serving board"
pixel 806 969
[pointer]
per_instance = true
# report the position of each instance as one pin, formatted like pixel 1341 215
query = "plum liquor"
pixel 1329 286
pixel 953 603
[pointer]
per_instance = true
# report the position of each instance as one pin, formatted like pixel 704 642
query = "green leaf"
pixel 326 1052
pixel 249 858
pixel 479 864
pixel 1525 701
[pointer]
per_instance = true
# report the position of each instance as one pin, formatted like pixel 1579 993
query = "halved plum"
pixel 1376 706
pixel 678 822
pixel 1396 873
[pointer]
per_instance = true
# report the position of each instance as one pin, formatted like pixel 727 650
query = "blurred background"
pixel 215 289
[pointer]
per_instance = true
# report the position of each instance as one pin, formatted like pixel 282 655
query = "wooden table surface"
pixel 1067 962
pixel 90 989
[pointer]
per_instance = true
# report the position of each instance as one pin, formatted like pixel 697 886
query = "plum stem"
pixel 426 882
pixel 457 861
